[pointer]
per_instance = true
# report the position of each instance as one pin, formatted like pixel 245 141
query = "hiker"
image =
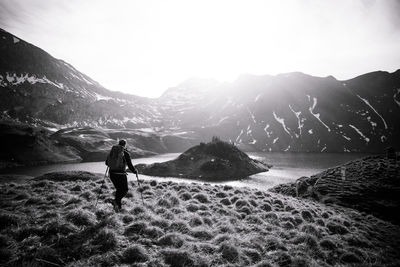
pixel 117 160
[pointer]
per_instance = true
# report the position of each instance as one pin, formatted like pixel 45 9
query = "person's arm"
pixel 129 162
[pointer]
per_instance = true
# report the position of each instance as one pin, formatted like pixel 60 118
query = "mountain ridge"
pixel 294 112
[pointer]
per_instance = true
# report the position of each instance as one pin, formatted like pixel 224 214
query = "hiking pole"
pixel 101 188
pixel 140 188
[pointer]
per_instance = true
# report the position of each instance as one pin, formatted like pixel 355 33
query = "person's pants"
pixel 120 182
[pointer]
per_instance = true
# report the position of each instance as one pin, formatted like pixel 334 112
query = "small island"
pixel 214 161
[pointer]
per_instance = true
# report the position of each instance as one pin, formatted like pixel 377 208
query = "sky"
pixel 144 47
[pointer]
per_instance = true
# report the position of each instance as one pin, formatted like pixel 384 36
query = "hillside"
pixel 370 184
pixel 52 221
pixel 213 161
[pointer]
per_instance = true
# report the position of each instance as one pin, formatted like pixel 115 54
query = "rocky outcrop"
pixel 370 184
pixel 215 161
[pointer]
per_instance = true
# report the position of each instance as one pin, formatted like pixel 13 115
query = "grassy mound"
pixel 215 161
pixel 55 222
pixel 370 184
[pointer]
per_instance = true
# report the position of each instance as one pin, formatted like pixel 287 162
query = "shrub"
pixel 253 254
pixel 185 196
pixel 202 234
pixel 273 243
pixel 336 228
pixel 135 228
pixel 174 200
pixel 127 218
pixel 288 225
pixel 266 207
pixel 76 188
pixel 48 254
pixel 234 199
pixel 160 223
pixel 201 198
pixel 153 232
pixel 195 221
pixel 137 210
pixel 310 229
pixel 81 217
pixel 327 244
pixel 105 240
pixel 135 253
pixel 225 201
pixel 307 216
pixel 153 182
pixel 171 240
pixel 349 257
pixel 192 207
pixel 177 258
pixel 227 187
pixel 179 226
pixel 164 203
pixel 220 195
pixel 229 252
pixel 7 220
pixel 221 238
pixel 241 203
pixel 282 258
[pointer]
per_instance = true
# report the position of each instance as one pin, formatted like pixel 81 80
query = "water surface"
pixel 287 167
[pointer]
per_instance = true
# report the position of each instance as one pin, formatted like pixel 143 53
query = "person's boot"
pixel 115 206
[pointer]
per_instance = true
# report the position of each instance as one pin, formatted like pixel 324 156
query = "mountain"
pixel 40 89
pixel 296 112
pixel 287 112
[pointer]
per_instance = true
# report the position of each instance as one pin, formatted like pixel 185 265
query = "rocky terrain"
pixel 53 221
pixel 214 161
pixel 370 184
pixel 286 112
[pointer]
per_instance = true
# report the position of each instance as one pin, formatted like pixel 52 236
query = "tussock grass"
pixel 54 220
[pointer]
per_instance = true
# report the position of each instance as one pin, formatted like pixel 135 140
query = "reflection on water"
pixel 287 167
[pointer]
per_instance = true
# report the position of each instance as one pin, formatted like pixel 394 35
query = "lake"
pixel 287 167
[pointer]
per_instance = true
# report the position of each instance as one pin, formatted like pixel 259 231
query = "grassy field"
pixel 53 221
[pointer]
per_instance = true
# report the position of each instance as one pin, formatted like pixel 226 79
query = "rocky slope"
pixel 26 145
pixel 214 161
pixel 371 185
pixel 52 221
pixel 42 90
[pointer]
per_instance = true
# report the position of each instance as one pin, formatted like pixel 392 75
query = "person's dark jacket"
pixel 129 162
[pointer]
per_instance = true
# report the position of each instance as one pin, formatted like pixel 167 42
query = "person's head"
pixel 122 142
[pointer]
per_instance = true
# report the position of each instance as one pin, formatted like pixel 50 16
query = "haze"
pixel 144 47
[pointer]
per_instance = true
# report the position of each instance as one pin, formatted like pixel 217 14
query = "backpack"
pixel 116 159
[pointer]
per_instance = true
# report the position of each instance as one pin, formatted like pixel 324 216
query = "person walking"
pixel 117 160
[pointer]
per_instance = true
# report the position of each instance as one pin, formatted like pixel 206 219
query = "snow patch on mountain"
pixel 395 97
pixel 266 130
pixel 317 115
pixel 360 133
pixel 258 97
pixel 282 122
pixel 101 97
pixel 14 79
pixel 275 140
pixel 369 105
pixel 15 40
pixel 251 115
pixel 238 137
pixel 299 122
pixel 222 119
pixel 310 131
